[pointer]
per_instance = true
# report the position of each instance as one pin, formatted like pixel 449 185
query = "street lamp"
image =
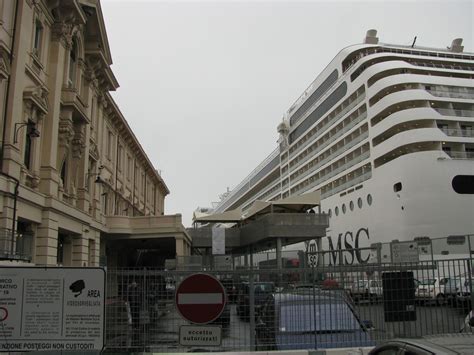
pixel 31 131
pixel 98 179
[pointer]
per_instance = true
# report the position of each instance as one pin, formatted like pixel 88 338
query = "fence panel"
pixel 295 307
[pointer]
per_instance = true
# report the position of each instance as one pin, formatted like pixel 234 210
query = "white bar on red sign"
pixel 200 298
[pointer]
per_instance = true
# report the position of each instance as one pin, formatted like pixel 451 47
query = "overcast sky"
pixel 204 85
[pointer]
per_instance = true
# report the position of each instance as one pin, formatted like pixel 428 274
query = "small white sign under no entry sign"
pixel 194 335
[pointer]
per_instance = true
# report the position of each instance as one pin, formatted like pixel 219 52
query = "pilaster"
pixel 49 170
pixel 47 240
pixel 80 250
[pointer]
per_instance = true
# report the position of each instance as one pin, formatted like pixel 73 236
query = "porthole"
pixel 329 213
pixel 359 202
pixel 397 187
pixel 351 205
pixel 336 210
pixel 369 199
pixel 343 208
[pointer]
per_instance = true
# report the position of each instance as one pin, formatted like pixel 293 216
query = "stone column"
pixel 47 240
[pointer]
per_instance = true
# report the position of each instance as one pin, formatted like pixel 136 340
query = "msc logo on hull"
pixel 347 250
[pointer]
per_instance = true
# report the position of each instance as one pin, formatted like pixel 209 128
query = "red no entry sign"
pixel 200 298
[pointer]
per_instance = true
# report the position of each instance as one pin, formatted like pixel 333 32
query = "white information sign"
pixel 195 335
pixel 218 241
pixel 405 252
pixel 51 309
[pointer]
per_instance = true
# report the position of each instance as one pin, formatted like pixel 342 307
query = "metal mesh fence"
pixel 296 306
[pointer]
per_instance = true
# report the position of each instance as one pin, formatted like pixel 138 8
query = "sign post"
pixel 200 299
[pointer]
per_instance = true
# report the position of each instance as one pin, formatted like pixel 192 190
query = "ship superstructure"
pixel 386 132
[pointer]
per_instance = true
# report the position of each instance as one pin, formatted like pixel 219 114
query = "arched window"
pixel 72 63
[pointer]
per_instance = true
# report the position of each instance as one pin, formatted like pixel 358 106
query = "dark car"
pixel 230 289
pixel 118 320
pixel 445 344
pixel 261 291
pixel 310 319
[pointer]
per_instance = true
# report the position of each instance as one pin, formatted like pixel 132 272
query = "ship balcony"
pixel 460 155
pixel 331 140
pixel 469 133
pixel 324 124
pixel 313 182
pixel 332 156
pixel 467 94
pixel 455 112
pixel 354 181
pixel 411 140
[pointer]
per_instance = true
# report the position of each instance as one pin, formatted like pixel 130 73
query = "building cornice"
pixel 123 124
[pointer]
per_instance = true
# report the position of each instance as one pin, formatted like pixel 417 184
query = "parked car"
pixel 370 290
pixel 451 288
pixel 431 290
pixel 309 319
pixel 261 292
pixel 230 289
pixel 463 297
pixel 445 344
pixel 119 331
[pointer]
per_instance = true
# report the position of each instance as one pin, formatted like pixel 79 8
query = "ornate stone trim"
pixel 78 142
pixel 66 131
pixel 36 99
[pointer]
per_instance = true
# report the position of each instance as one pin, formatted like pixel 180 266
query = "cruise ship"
pixel 386 133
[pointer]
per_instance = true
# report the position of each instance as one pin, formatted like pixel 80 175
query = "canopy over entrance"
pixel 298 204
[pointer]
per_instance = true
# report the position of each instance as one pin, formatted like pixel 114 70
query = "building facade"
pixel 74 180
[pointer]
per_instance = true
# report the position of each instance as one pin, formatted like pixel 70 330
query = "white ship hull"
pixel 383 132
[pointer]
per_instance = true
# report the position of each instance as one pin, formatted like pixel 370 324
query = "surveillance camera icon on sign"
pixel 77 287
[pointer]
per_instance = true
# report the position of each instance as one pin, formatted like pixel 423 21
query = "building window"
pixel 351 205
pixel 336 210
pixel 37 39
pixel 60 251
pixel 344 208
pixel 369 199
pixel 110 139
pixel 63 173
pixel 72 64
pixel 105 203
pixel 129 167
pixel 359 202
pixel 119 158
pixel 28 147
